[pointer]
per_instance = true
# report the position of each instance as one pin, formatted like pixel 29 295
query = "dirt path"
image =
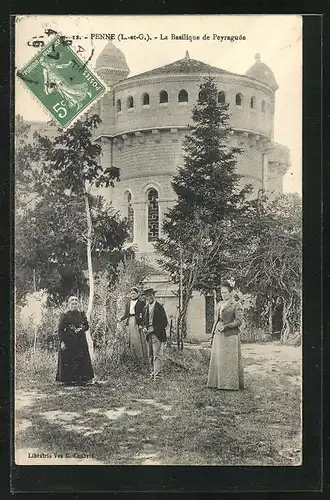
pixel 130 420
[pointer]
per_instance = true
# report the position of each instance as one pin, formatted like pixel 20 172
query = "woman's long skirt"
pixel 137 341
pixel 74 362
pixel 226 365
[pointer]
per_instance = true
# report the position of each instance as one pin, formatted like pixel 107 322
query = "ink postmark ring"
pixel 62 82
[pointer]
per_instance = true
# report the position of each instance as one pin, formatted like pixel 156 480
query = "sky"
pixel 277 38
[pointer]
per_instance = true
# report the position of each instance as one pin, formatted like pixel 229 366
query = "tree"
pixel 109 333
pixel 208 180
pixel 271 265
pixel 51 244
pixel 72 161
pixel 27 155
pixel 198 227
pixel 65 225
pixel 26 159
pixel 188 264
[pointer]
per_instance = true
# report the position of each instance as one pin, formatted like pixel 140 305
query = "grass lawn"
pixel 126 419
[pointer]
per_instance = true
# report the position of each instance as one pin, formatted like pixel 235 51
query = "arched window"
pixel 183 96
pixel 202 96
pixel 253 103
pixel 145 99
pixel 153 215
pixel 239 100
pixel 130 216
pixel 222 97
pixel 118 105
pixel 163 97
pixel 263 106
pixel 130 102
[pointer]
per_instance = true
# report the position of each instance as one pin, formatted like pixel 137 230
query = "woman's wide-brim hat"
pixel 149 291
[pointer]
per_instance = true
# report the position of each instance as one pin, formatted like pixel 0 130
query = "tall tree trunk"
pixel 184 316
pixel 89 258
pixel 286 326
pixel 180 317
pixel 34 280
pixel 270 315
pixel 182 320
pixel 90 272
pixel 35 347
pixel 35 327
pixel 178 332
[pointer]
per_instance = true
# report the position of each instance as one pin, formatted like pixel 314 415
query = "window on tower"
pixel 163 97
pixel 130 216
pixel 145 99
pixel 253 103
pixel 202 97
pixel 183 96
pixel 263 107
pixel 118 105
pixel 153 215
pixel 221 97
pixel 239 100
pixel 130 102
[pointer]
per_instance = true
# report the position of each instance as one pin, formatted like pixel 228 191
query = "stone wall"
pixel 173 113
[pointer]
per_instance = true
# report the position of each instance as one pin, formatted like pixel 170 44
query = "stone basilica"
pixel 145 117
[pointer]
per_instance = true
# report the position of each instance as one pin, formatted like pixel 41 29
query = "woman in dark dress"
pixel 74 362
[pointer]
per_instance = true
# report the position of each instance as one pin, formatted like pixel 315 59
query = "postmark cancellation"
pixel 62 82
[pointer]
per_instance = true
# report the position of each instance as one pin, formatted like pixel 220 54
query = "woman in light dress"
pixel 134 317
pixel 226 366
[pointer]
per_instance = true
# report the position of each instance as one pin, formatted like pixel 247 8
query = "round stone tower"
pixel 112 67
pixel 261 72
pixel 144 119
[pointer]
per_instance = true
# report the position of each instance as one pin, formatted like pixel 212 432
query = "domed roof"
pixel 113 58
pixel 260 71
pixel 185 66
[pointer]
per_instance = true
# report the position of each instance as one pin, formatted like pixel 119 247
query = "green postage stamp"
pixel 62 82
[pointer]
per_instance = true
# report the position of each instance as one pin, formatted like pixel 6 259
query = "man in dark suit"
pixel 154 327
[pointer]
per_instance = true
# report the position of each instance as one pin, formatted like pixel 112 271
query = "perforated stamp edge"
pixel 81 112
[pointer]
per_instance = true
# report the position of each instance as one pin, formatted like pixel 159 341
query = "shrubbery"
pixel 36 325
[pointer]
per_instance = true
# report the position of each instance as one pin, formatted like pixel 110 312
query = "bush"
pixel 46 331
pixel 38 326
pixel 294 339
pixel 193 359
pixel 29 319
pixel 38 366
pixel 250 335
pixel 108 333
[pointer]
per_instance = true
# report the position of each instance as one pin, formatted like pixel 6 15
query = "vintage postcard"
pixel 158 240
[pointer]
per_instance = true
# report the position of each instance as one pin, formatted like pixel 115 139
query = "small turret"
pixel 111 65
pixel 260 71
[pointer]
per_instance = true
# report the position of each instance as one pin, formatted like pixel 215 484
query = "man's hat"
pixel 149 291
